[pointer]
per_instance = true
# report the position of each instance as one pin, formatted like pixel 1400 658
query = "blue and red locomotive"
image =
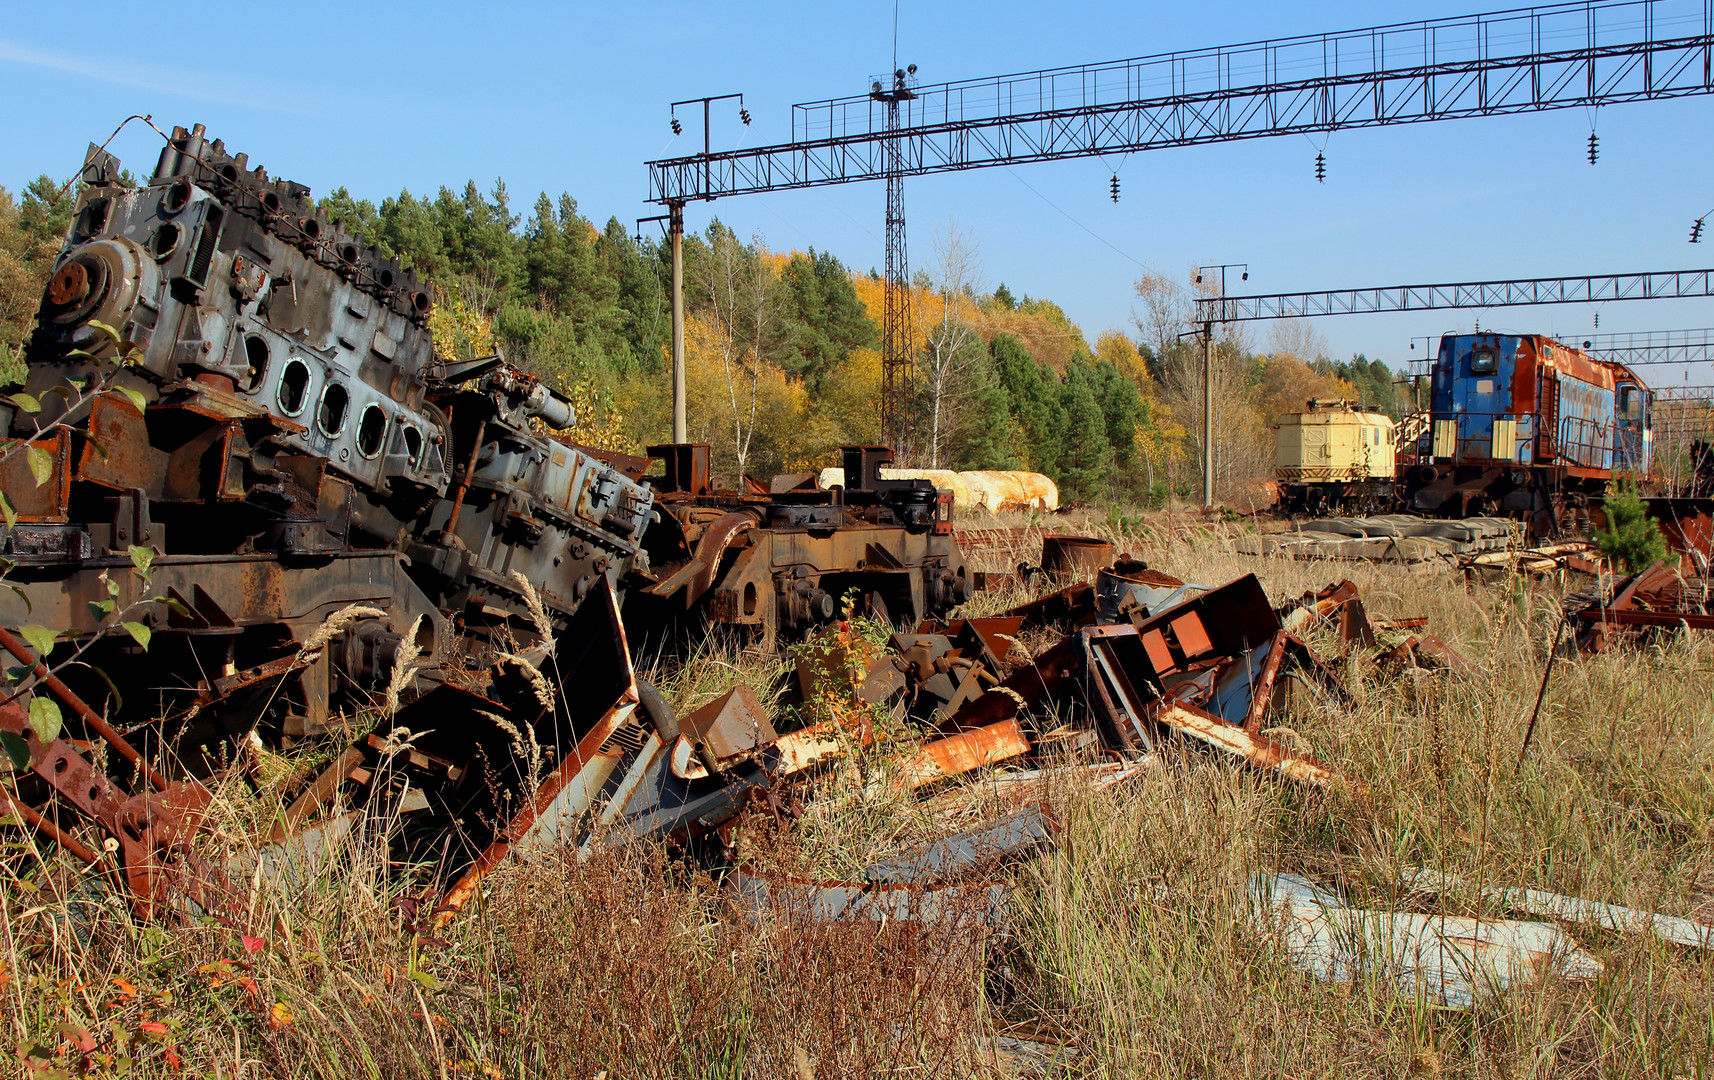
pixel 1526 426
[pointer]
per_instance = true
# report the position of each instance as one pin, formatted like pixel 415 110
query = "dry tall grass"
pixel 1131 950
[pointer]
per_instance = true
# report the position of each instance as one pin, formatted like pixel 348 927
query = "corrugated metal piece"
pixel 1503 442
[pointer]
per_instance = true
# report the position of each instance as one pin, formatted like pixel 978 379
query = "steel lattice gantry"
pixel 1597 289
pixel 1678 347
pixel 1526 60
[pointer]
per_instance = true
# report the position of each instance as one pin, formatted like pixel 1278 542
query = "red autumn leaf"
pixel 84 1041
pixel 152 1027
pixel 254 944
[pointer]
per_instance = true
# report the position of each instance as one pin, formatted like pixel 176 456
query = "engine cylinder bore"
pixel 294 387
pixel 175 198
pixel 256 355
pixel 371 430
pixel 164 241
pixel 330 418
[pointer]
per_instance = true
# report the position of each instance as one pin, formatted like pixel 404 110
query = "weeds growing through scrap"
pixel 1131 950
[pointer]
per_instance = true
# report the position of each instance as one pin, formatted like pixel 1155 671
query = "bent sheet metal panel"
pixel 967 750
pixel 568 793
pixel 1573 909
pixel 1448 960
pixel 1258 751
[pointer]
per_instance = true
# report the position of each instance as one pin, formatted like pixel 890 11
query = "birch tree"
pixel 952 350
pixel 740 296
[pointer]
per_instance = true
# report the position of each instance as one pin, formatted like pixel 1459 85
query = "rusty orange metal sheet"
pixel 43 503
pixel 965 751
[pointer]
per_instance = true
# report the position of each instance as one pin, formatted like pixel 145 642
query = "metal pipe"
pixel 675 230
pixel 464 485
pixel 49 829
pixel 658 711
pixel 1546 672
pixel 17 648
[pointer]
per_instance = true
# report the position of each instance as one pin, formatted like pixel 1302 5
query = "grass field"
pixel 1131 950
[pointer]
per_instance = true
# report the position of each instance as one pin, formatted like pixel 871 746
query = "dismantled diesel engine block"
pixel 245 500
pixel 280 433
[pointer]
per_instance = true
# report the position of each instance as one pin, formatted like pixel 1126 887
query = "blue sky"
pixel 573 97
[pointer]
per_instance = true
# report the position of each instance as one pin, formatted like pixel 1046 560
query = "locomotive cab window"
pixel 1631 403
pixel 1484 361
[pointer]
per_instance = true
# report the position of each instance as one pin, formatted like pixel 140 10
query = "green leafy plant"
pixel 1631 539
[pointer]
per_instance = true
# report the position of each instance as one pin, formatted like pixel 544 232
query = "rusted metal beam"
pixel 34 820
pixel 1638 617
pixel 14 645
pixel 320 793
pixel 1254 749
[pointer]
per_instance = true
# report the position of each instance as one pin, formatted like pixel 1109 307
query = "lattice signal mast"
pixel 896 355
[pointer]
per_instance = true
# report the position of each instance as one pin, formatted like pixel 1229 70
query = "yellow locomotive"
pixel 1335 456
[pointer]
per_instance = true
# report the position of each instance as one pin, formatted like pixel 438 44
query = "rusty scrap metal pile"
pixel 246 501
pixel 561 745
pixel 248 508
pixel 1663 598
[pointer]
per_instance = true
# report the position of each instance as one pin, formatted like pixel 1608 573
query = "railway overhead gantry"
pixel 1534 59
pixel 1684 414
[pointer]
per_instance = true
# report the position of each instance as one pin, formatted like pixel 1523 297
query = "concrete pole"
pixel 675 229
pixel 1207 415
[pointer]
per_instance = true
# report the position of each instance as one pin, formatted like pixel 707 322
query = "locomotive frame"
pixel 1526 426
